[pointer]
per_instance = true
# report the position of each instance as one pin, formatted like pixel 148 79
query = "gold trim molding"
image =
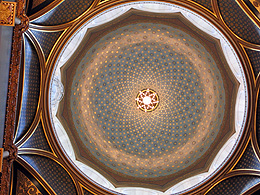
pixel 1 158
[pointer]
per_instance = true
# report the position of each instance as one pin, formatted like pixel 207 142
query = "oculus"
pixel 147 100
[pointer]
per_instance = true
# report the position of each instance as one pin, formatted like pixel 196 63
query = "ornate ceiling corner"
pixel 248 155
pixel 37 142
pixel 44 165
pixel 26 186
pixel 35 175
pixel 32 69
pixel 38 48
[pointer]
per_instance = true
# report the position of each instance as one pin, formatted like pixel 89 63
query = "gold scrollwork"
pixel 7 13
pixel 26 186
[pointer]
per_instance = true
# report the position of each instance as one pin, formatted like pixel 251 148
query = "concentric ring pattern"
pixel 153 144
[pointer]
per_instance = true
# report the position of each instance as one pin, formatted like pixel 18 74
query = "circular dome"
pixel 167 132
pixel 103 107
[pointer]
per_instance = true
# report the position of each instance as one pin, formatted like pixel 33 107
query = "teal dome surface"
pixel 141 56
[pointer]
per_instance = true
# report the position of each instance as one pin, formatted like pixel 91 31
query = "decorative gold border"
pixel 1 158
pixel 12 181
pixel 254 130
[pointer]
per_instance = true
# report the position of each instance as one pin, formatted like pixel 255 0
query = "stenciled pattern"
pixel 254 57
pixel 248 160
pixel 37 140
pixel 31 89
pixel 46 40
pixel 183 74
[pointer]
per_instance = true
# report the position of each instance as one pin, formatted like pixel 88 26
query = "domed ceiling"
pixel 134 97
pixel 162 54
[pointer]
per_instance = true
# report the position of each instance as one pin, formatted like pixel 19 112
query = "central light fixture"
pixel 147 100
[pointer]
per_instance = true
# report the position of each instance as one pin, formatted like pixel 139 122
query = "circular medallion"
pixel 147 100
